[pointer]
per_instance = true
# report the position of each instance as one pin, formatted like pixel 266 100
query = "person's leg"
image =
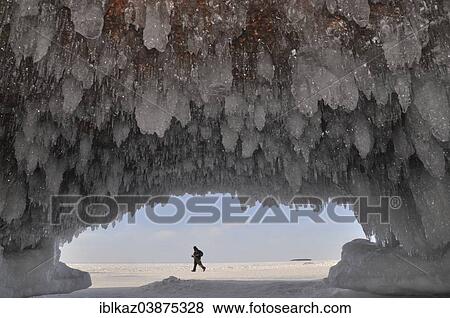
pixel 201 264
pixel 195 265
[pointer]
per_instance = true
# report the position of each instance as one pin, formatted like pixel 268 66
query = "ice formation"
pixel 364 267
pixel 259 97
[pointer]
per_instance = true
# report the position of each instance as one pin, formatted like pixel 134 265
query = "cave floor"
pixel 175 287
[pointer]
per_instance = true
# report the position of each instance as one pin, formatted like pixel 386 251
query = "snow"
pixel 178 288
pixel 283 279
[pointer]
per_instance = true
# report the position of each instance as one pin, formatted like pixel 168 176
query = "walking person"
pixel 198 259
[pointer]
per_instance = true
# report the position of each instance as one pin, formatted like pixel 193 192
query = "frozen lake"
pixel 133 275
pixel 262 279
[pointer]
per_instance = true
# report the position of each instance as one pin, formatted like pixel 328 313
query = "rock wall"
pixel 260 97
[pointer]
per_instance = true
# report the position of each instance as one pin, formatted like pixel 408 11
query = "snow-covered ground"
pixel 285 279
pixel 133 275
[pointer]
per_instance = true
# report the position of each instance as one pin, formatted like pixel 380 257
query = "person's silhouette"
pixel 198 259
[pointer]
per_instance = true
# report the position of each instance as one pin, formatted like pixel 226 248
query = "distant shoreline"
pixel 301 260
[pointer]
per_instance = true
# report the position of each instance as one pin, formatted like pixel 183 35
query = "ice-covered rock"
pixel 366 267
pixel 38 271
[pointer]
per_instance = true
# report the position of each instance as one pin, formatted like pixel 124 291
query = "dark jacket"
pixel 198 253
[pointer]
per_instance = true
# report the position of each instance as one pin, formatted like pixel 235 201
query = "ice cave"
pixel 262 97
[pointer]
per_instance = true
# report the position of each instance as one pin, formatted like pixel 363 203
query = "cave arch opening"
pixel 136 239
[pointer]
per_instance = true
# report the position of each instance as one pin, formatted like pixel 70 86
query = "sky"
pixel 147 242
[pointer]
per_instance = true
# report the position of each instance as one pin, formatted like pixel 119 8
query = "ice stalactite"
pixel 157 25
pixel 258 97
pixel 87 17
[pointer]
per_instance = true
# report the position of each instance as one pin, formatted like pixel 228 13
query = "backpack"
pixel 200 253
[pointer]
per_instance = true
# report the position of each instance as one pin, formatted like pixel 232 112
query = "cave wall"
pixel 260 97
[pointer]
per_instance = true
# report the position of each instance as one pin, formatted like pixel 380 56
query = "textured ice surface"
pixel 430 98
pixel 38 272
pixel 151 115
pixel 431 196
pixel 262 97
pixel 72 92
pixel 427 148
pixel 312 83
pixel 229 138
pixel 87 17
pixel 402 146
pixel 27 7
pixel 401 44
pixel 157 25
pixel 363 135
pixel 366 267
pixel 265 66
pixel 357 10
